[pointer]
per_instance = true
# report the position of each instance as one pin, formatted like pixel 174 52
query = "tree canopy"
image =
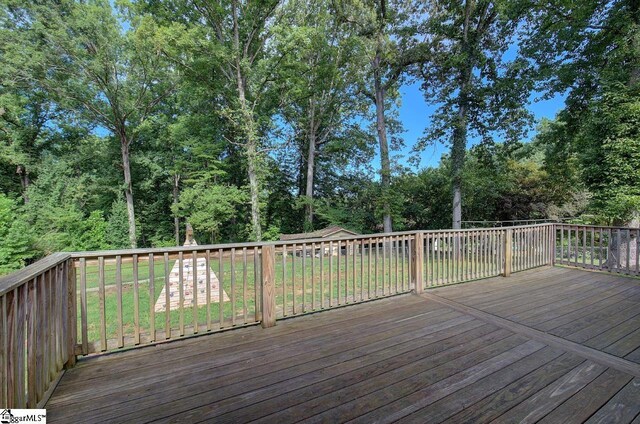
pixel 121 121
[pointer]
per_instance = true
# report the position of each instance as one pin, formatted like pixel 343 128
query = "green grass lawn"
pixel 303 284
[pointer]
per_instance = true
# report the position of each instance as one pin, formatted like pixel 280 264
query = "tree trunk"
pixel 459 142
pixel 128 190
pixel 385 163
pixel 458 150
pixel 254 191
pixel 176 219
pixel 24 181
pixel 311 155
pixel 248 130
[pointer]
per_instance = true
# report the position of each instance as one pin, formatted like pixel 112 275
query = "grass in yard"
pixel 303 284
pixel 298 287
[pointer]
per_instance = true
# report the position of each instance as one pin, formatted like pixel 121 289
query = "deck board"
pixel 598 310
pixel 406 358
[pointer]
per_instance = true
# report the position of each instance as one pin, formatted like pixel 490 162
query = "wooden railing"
pixel 317 275
pixel 37 330
pixel 95 302
pixel 613 249
pixel 136 297
pixel 532 247
pixel 453 257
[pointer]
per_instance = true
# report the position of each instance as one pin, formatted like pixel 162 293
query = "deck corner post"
pixel 508 250
pixel 268 287
pixel 418 263
pixel 71 314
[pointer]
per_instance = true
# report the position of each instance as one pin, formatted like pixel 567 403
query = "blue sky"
pixel 415 112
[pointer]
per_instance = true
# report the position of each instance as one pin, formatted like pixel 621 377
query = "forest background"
pixel 122 120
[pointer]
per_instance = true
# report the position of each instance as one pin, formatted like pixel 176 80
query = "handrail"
pixel 251 245
pixel 136 297
pixel 308 275
pixel 602 248
pixel 37 330
pixel 15 279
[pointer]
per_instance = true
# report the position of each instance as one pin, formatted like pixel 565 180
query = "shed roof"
pixel 323 233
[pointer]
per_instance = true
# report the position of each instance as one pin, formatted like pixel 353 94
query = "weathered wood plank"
pixel 83 306
pixel 167 300
pixel 207 290
pixel 549 398
pixel 152 298
pixel 404 354
pixel 508 249
pixel 32 348
pixel 513 394
pixel 119 321
pixel 431 391
pixel 622 408
pixel 268 287
pixel 72 315
pixel 551 340
pixel 297 331
pixel 378 391
pixel 194 289
pixel 191 400
pixel 417 257
pixel 4 351
pixel 343 375
pixel 10 311
pixel 588 400
pixel 11 281
pixel 458 400
pixel 243 369
pixel 101 300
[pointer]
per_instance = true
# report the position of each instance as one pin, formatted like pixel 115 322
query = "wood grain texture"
pixel 72 315
pixel 567 345
pixel 508 251
pixel 268 287
pixel 417 262
pixel 405 358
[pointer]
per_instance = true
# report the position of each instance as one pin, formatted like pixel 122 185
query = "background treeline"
pixel 120 121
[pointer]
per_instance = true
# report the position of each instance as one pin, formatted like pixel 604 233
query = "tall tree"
pixel 388 30
pixel 27 113
pixel 93 66
pixel 236 36
pixel 590 51
pixel 478 91
pixel 320 73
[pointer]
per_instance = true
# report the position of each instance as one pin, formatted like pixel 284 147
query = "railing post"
pixel 268 287
pixel 11 365
pixel 417 256
pixel 508 240
pixel 552 245
pixel 72 314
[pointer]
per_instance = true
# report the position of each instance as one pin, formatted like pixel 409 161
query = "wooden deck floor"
pixel 552 345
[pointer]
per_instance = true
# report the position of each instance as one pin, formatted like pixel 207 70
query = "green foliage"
pixel 501 183
pixel 215 114
pixel 595 58
pixel 16 248
pixel 609 152
pixel 208 207
pixel 117 226
pixel 96 232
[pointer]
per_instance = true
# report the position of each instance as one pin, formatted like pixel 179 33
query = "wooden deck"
pixel 552 345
